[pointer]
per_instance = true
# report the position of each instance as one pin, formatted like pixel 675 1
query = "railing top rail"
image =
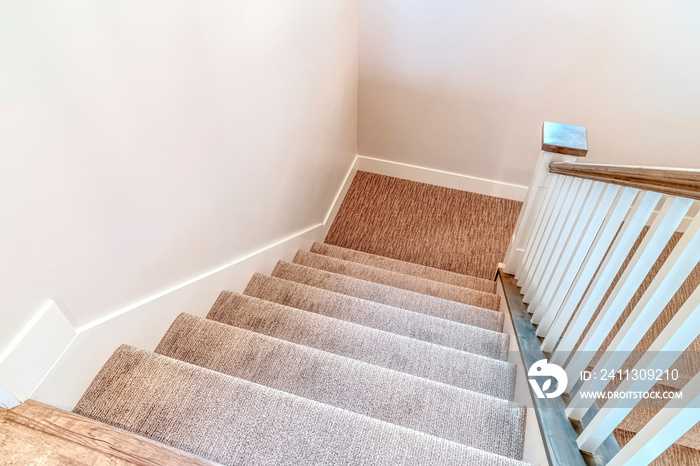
pixel 676 182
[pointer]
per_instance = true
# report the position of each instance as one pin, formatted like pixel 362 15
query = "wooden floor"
pixel 36 434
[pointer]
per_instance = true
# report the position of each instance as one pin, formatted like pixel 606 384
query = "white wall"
pixel 146 142
pixel 464 86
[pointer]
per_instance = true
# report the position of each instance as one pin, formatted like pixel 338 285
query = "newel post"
pixel 560 142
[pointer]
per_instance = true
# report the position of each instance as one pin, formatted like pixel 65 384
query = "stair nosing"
pixel 211 327
pixel 319 245
pixel 477 294
pixel 466 326
pixel 500 317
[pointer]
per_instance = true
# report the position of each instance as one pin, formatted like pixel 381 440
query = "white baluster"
pixel 559 200
pixel 554 245
pixel 675 338
pixel 675 270
pixel 677 418
pixel 634 223
pixel 567 238
pixel 536 233
pixel 585 264
pixel 583 232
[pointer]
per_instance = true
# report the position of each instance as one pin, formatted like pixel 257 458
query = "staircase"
pixel 339 357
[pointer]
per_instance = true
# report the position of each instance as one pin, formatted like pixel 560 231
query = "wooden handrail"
pixel 676 182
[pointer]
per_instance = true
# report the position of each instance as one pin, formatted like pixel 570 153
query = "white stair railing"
pixel 587 239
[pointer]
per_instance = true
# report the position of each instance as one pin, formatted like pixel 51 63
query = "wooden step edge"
pixel 97 436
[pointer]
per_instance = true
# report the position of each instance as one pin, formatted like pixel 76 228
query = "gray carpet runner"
pixel 371 291
pixel 399 280
pixel 384 394
pixel 349 359
pixel 380 316
pixel 409 268
pixel 233 421
pixel 415 357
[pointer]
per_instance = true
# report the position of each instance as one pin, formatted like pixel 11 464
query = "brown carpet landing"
pixel 448 229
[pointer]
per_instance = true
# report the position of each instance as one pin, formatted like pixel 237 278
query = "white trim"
pixel 144 323
pixel 35 352
pixel 77 354
pixel 7 399
pixel 342 191
pixel 196 279
pixel 442 178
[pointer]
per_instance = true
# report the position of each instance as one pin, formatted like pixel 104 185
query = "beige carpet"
pixel 438 227
pixel 409 268
pixel 385 294
pixel 411 324
pixel 399 280
pixel 388 350
pixel 236 422
pixel 340 358
pixel 402 399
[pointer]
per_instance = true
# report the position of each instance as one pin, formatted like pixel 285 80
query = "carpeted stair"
pixel 398 280
pixel 385 394
pixel 384 349
pixel 409 268
pixel 384 294
pixel 412 324
pixel 341 358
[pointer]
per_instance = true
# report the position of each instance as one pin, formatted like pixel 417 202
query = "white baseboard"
pixel 144 324
pixel 335 206
pixel 34 353
pixel 7 399
pixel 70 358
pixel 442 178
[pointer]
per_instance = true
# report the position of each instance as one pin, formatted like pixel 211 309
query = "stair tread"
pixel 411 324
pixel 409 268
pixel 481 421
pixel 640 416
pixel 384 294
pixel 416 357
pixel 399 280
pixel 676 454
pixel 185 406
